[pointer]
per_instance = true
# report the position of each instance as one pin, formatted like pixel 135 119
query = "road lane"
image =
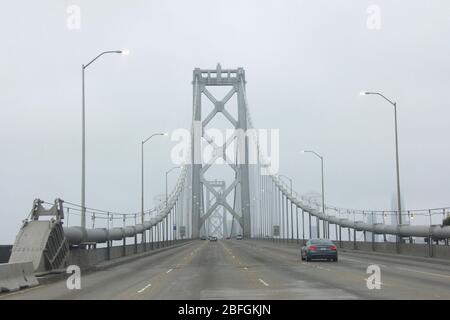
pixel 118 282
pixel 401 277
pixel 253 269
pixel 214 273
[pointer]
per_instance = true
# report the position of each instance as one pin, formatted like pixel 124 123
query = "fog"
pixel 305 63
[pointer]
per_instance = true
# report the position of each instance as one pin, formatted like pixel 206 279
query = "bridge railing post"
pixel 108 250
pixel 292 221
pixel 430 237
pixel 309 225
pixel 296 211
pixel 151 238
pixel 135 238
pixel 124 249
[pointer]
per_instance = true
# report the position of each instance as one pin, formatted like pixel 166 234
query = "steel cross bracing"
pixel 217 222
pixel 202 80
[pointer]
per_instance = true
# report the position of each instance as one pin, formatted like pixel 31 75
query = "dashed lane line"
pixel 263 282
pixel 322 268
pixel 144 288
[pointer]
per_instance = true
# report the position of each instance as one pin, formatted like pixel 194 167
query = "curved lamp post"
pixel 142 170
pixel 83 135
pixel 290 181
pixel 323 187
pixel 394 104
pixel 167 172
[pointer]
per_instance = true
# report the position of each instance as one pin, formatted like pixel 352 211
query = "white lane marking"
pixel 378 282
pixel 245 268
pixel 263 282
pixel 234 257
pixel 322 268
pixel 378 264
pixel 169 270
pixel 424 272
pixel 362 262
pixel 144 288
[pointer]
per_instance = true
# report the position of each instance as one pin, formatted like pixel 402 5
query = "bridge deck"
pixel 231 269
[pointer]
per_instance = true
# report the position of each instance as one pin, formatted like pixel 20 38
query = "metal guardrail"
pixel 78 235
pixel 434 231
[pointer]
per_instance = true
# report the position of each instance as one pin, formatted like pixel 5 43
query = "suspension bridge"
pixel 158 254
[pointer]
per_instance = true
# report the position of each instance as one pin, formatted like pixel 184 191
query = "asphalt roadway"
pixel 253 269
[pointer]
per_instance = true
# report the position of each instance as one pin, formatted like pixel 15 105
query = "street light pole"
pixel 142 170
pixel 167 172
pixel 290 181
pixel 394 104
pixel 397 167
pixel 323 184
pixel 83 154
pixel 83 135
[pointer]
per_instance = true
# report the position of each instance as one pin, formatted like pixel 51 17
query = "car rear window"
pixel 321 241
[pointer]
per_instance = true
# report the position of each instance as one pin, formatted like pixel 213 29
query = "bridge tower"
pixel 235 79
pixel 217 222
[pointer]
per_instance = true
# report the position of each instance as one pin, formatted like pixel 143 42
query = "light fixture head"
pixel 363 93
pixel 125 52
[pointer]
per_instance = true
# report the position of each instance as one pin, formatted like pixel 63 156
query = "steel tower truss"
pixel 217 221
pixel 202 79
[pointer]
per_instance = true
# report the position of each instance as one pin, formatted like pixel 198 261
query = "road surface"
pixel 252 269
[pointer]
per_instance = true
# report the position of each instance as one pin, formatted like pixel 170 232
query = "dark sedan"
pixel 319 249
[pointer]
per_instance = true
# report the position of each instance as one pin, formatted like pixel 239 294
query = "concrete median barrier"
pixel 15 276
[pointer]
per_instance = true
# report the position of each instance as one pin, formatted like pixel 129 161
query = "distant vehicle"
pixel 228 238
pixel 212 238
pixel 239 237
pixel 203 238
pixel 319 249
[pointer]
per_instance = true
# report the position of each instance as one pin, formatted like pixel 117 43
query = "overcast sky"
pixel 305 63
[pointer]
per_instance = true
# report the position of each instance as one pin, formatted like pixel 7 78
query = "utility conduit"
pixel 436 231
pixel 78 235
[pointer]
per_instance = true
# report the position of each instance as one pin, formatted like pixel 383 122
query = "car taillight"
pixel 312 248
pixel 333 248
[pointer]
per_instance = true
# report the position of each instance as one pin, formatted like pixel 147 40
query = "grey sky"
pixel 305 62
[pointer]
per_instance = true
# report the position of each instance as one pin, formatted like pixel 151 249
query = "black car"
pixel 203 238
pixel 319 249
